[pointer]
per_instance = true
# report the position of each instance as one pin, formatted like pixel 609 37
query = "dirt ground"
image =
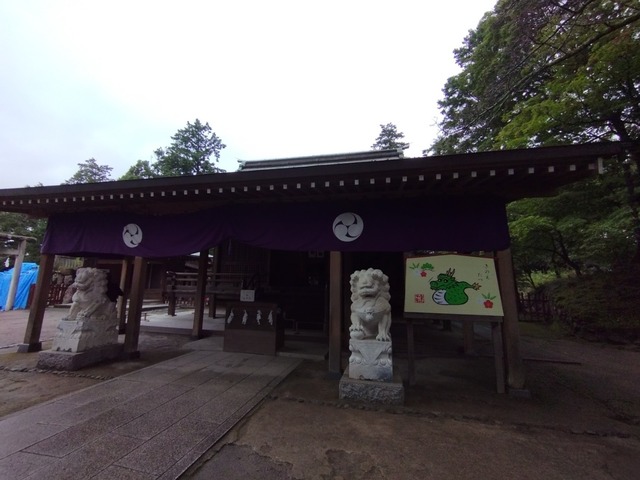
pixel 582 419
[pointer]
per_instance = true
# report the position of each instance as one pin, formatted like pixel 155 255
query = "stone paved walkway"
pixel 150 424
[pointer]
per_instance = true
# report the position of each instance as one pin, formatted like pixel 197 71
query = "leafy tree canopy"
pixel 586 226
pixel 142 169
pixel 23 225
pixel 389 139
pixel 549 72
pixel 191 152
pixel 536 72
pixel 90 172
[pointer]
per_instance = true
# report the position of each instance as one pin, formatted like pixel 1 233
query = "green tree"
pixel 142 169
pixel 545 72
pixel 389 139
pixel 190 153
pixel 574 230
pixel 90 172
pixel 23 225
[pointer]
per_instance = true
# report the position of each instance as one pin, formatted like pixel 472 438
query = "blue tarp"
pixel 28 276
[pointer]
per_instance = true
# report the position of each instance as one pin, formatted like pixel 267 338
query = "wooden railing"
pixel 538 307
pixel 181 288
pixel 56 294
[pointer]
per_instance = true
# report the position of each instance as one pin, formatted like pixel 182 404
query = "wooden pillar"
pixel 135 308
pixel 125 286
pixel 36 313
pixel 347 270
pixel 214 270
pixel 335 314
pixel 201 292
pixel 171 289
pixel 510 329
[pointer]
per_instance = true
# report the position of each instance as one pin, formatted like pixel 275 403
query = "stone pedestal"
pixel 368 391
pixel 370 360
pixel 83 342
pixel 68 361
pixel 85 333
pixel 369 377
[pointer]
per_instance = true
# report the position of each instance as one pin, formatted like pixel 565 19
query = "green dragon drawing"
pixel 448 291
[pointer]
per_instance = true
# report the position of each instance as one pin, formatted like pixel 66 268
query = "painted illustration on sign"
pixel 452 284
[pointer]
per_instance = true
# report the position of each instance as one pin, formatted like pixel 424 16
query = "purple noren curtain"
pixel 429 223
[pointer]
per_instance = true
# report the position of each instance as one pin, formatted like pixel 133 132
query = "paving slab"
pixel 149 424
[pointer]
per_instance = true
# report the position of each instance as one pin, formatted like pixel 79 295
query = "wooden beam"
pixel 135 308
pixel 510 329
pixel 335 314
pixel 36 313
pixel 201 292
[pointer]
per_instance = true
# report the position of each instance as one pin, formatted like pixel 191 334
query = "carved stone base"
pixel 367 391
pixel 370 360
pixel 85 333
pixel 68 361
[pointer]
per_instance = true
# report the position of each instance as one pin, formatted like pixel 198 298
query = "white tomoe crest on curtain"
pixel 348 226
pixel 132 235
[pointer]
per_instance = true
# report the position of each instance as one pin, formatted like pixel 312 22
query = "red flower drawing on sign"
pixel 488 303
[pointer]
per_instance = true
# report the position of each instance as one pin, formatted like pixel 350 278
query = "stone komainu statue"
pixel 370 308
pixel 90 298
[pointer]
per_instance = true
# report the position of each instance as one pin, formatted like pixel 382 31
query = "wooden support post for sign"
pixel 411 352
pixel 468 335
pixel 125 286
pixel 335 314
pixel 201 292
pixel 36 313
pixel 135 308
pixel 498 356
pixel 510 330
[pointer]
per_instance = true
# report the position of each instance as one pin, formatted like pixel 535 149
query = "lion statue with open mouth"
pixel 90 297
pixel 370 307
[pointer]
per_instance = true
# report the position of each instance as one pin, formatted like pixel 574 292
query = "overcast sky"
pixel 114 80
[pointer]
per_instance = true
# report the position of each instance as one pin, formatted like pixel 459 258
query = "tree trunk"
pixel 563 253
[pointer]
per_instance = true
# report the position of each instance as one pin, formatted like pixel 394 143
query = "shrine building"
pixel 293 230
